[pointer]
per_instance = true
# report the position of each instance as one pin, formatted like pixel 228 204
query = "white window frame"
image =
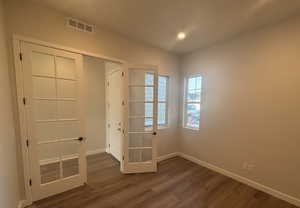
pixel 166 102
pixel 185 102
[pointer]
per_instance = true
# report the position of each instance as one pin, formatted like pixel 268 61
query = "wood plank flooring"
pixel 178 184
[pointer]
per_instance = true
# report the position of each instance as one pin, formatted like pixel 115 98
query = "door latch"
pixel 80 139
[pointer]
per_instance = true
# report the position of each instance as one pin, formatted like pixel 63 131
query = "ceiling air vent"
pixel 79 25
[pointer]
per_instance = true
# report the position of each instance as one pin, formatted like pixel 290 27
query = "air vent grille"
pixel 80 25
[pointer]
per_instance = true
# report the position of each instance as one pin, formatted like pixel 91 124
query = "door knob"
pixel 81 139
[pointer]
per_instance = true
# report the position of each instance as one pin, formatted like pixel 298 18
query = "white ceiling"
pixel 158 21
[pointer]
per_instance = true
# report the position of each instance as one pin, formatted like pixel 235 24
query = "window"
pixel 162 108
pixel 192 101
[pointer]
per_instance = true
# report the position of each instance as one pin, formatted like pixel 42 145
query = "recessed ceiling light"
pixel 181 36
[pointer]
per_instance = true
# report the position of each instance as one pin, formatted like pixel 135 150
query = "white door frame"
pixel 22 123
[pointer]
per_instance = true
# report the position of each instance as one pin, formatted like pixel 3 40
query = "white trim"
pixel 253 184
pixel 22 120
pixel 107 150
pixel 167 156
pixel 68 49
pixel 23 204
pixel 96 151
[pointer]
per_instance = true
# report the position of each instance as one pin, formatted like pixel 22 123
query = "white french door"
pixel 52 83
pixel 140 120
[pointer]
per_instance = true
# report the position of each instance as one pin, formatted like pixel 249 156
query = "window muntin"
pixel 162 108
pixel 192 102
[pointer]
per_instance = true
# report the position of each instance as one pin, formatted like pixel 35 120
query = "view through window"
pixel 192 102
pixel 162 108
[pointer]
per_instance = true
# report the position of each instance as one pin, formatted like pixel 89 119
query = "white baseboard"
pixel 23 204
pixel 107 150
pixel 258 186
pixel 94 152
pixel 168 156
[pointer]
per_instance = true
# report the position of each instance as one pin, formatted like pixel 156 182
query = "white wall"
pixel 94 79
pixel 251 107
pixel 9 188
pixel 31 20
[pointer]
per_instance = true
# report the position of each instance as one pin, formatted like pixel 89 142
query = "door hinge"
pixel 109 145
pixel 21 56
pixel 30 182
pixel 24 101
pixel 123 157
pixel 123 74
pixel 27 142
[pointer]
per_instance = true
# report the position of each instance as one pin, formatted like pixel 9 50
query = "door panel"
pixel 116 113
pixel 52 88
pixel 141 124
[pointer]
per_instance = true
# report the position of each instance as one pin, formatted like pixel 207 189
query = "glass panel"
pixel 149 94
pixel 70 167
pixel 140 140
pixel 73 129
pixel 69 149
pixel 194 95
pixel 141 94
pixel 66 89
pixel 66 109
pixel 193 115
pixel 44 110
pixel 148 109
pixel 46 131
pixel 65 68
pixel 50 172
pixel 161 117
pixel 162 88
pixel 140 77
pixel 149 78
pixel 140 155
pixel 195 83
pixel 44 87
pixel 43 64
pixel 141 109
pixel 140 124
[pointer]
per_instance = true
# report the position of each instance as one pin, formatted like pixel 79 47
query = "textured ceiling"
pixel 158 21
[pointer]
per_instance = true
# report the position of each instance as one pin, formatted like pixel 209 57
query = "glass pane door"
pixel 57 153
pixel 142 110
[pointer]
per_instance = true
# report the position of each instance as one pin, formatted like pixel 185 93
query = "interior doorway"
pixel 104 110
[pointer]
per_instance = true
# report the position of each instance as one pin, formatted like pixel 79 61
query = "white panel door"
pixel 54 116
pixel 141 122
pixel 115 95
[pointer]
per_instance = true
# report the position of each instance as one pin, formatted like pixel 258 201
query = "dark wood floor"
pixel 178 183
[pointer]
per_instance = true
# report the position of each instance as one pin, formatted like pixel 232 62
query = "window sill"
pixel 190 128
pixel 162 127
